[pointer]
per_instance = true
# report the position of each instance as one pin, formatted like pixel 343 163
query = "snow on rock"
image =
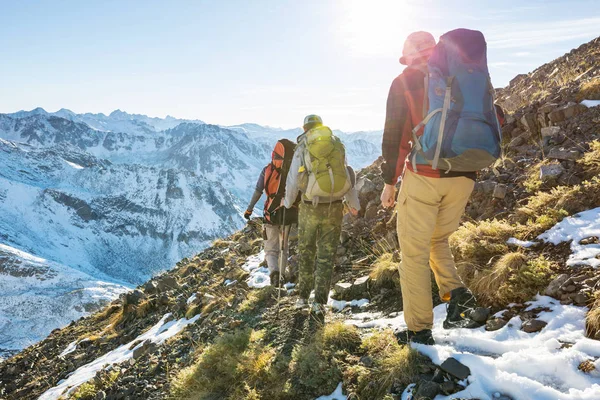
pixel 591 103
pixel 259 276
pixel 336 395
pixel 157 334
pixel 339 305
pixel 69 349
pixel 577 228
pixel 72 164
pixel 191 299
pixel 512 362
pixel 520 243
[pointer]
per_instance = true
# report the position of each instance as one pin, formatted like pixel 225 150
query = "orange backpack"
pixel 275 177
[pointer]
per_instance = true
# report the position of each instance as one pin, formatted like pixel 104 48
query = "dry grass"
pixel 476 243
pixel 236 366
pixel 341 336
pixel 545 209
pixel 592 319
pixel 384 271
pixel 514 278
pixel 590 90
pixel 392 363
pixel 257 298
pixel 591 160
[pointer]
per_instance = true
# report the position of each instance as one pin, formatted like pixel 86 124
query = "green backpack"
pixel 326 173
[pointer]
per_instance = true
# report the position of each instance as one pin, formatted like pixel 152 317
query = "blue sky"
pixel 264 61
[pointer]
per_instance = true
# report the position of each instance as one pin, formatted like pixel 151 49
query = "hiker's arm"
pixel 291 184
pixel 258 191
pixel 396 134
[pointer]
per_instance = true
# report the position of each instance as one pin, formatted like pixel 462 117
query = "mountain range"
pixel 107 201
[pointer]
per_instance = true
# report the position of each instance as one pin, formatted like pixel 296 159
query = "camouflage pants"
pixel 319 230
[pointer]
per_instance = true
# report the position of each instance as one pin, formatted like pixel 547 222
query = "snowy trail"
pixel 157 334
pixel 540 366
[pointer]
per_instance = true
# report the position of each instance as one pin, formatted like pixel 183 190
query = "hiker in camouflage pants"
pixel 319 228
pixel 322 224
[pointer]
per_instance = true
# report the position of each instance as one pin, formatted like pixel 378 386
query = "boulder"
pixel 551 131
pixel 529 121
pixel 533 325
pixel 371 212
pixel 494 324
pixel 561 154
pixel 555 285
pixel 427 390
pixel 147 347
pixel 218 264
pixel 243 248
pixel 365 187
pixel 550 173
pixel 150 287
pixel 500 191
pixel 134 297
pixel 455 368
pixel 343 290
pixel 166 283
pixel 360 286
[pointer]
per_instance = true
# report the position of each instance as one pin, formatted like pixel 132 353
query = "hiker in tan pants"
pixel 429 211
pixel 430 204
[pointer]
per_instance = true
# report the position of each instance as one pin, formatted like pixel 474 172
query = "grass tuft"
pixel 341 336
pixel 590 90
pixel 236 366
pixel 592 319
pixel 392 364
pixel 512 279
pixel 384 271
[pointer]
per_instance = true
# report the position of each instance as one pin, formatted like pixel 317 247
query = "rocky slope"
pixel 211 327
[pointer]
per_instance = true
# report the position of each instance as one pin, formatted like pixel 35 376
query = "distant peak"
pixel 118 113
pixel 38 110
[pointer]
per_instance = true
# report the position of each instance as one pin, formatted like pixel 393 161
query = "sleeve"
pixel 258 190
pixel 352 198
pixel 291 183
pixel 395 145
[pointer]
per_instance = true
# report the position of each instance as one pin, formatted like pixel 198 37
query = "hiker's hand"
pixel 387 196
pixel 353 211
pixel 248 214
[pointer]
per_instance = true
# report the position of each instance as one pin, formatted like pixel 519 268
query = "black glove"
pixel 248 214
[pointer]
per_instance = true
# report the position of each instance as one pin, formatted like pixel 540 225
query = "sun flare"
pixel 375 27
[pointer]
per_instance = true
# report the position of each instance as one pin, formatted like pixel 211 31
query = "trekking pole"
pixel 281 250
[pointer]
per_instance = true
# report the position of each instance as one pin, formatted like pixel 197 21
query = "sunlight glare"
pixel 375 27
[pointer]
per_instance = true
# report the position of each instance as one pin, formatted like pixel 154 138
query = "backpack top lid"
pixel 284 149
pixel 460 45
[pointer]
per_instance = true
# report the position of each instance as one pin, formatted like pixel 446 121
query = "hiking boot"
pixel 462 304
pixel 408 336
pixel 274 277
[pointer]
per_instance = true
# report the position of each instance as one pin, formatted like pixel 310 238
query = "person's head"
pixel 417 48
pixel 312 121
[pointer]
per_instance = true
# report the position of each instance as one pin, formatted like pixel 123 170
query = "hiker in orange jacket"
pixel 429 205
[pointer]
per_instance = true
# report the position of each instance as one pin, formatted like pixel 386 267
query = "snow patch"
pixel 259 276
pixel 512 362
pixel 72 164
pixel 336 395
pixel 157 334
pixel 520 243
pixel 341 304
pixel 69 349
pixel 576 228
pixel 591 103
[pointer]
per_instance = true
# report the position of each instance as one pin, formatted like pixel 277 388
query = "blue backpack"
pixel 461 132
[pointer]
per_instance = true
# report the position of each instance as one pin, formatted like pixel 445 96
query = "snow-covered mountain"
pixel 112 200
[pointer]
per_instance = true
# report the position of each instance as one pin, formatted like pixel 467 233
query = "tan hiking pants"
pixel 272 245
pixel 429 211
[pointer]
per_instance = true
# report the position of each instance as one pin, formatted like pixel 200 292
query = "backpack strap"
pixel 416 141
pixel 447 99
